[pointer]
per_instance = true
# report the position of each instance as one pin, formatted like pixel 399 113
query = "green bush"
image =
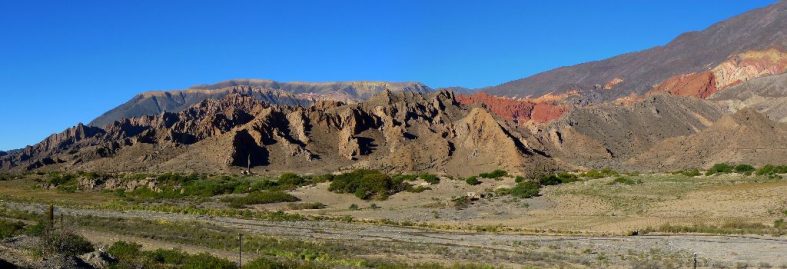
pixel 525 189
pixel 123 250
pixel 429 178
pixel 770 169
pixel 744 169
pixel 260 197
pixel 626 181
pixel 10 228
pixel 291 180
pixel 64 242
pixel 693 172
pixel 367 184
pixel 595 174
pixel 207 261
pixel 494 174
pixel 519 179
pixel 559 178
pixel 264 263
pixel 720 168
pixel 473 180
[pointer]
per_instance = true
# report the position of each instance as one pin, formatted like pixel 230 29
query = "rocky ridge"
pixel 268 91
pixel 402 131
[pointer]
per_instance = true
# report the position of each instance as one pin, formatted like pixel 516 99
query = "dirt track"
pixel 751 250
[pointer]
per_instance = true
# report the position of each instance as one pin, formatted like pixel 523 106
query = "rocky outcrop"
pixel 699 85
pixel 738 69
pixel 749 65
pixel 520 111
pixel 767 95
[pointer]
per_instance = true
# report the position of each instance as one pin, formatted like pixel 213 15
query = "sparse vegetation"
pixel 473 180
pixel 771 170
pixel 692 172
pixel 744 169
pixel 259 197
pixel 494 174
pixel 10 228
pixel 625 181
pixel 301 206
pixel 720 168
pixel 461 202
pixel 131 255
pixel 595 174
pixel 429 178
pixel 367 184
pixel 558 178
pixel 526 189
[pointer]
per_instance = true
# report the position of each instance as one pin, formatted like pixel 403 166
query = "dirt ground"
pixel 591 207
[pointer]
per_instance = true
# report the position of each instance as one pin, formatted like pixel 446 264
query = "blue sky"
pixel 64 62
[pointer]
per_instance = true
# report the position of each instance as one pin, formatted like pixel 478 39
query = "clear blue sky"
pixel 64 62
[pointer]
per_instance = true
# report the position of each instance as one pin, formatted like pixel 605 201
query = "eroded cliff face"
pixel 392 131
pixel 518 110
pixel 737 69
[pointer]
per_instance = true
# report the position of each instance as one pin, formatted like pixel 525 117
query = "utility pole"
pixel 50 215
pixel 240 250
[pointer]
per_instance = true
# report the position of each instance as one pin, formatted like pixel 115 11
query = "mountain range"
pixel 716 95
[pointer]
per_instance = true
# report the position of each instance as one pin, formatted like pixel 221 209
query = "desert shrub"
pixel 367 184
pixel 525 189
pixel 473 180
pixel 625 181
pixel 10 228
pixel 461 202
pixel 65 243
pixel 770 169
pixel 494 174
pixel 779 224
pixel 594 173
pixel 37 229
pixel 692 172
pixel 175 178
pixel 559 178
pixel 123 250
pixel 167 256
pixel 720 168
pixel 502 191
pixel 300 206
pixel 291 180
pixel 744 169
pixel 429 178
pixel 519 179
pixel 265 263
pixel 405 177
pixel 260 197
pixel 207 261
pixel 57 179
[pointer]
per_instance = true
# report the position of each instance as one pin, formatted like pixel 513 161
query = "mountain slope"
pixel 767 95
pixel 268 91
pixel 638 72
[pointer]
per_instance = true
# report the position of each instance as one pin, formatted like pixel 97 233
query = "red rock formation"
pixel 700 85
pixel 520 111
